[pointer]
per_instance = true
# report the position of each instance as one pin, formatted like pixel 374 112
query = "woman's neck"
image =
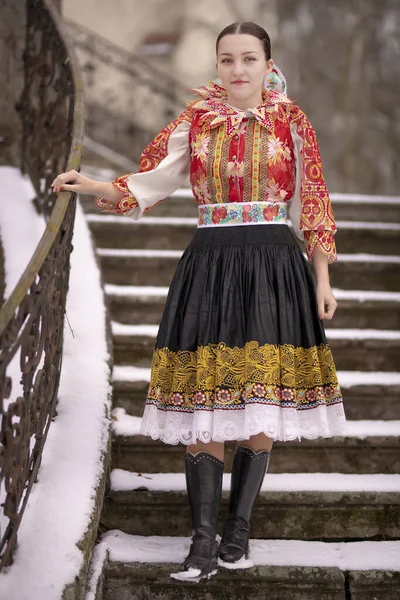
pixel 244 104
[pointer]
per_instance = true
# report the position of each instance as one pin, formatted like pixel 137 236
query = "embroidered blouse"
pixel 267 153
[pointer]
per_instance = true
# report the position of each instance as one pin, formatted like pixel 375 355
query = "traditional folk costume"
pixel 240 348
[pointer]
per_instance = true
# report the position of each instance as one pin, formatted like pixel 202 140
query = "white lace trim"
pixel 223 425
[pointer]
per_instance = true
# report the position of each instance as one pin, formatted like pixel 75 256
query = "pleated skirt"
pixel 240 348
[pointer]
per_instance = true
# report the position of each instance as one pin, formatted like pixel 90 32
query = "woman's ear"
pixel 269 67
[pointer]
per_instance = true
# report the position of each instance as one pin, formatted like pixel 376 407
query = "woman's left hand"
pixel 326 301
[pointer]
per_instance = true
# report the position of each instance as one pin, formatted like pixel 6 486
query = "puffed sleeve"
pixel 164 166
pixel 310 209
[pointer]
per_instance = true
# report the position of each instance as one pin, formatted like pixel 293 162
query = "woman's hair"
pixel 251 29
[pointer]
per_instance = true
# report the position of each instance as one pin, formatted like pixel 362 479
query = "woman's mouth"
pixel 239 82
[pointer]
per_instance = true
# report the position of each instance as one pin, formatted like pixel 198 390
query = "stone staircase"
pixel 327 522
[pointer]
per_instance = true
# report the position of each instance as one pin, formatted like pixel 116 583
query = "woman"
pixel 241 352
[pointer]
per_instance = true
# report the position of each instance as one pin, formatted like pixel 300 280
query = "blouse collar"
pixel 217 111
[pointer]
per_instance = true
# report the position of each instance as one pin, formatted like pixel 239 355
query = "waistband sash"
pixel 242 213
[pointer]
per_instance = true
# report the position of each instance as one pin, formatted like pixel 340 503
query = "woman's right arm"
pixel 164 167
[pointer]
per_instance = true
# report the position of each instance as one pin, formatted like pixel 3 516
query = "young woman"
pixel 241 352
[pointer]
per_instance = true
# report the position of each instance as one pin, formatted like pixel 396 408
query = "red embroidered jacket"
pixel 267 153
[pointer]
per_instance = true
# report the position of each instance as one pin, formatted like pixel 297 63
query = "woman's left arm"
pixel 325 299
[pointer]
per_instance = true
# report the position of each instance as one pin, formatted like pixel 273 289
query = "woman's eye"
pixel 250 58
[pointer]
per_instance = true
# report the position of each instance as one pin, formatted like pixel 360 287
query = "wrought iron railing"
pixel 32 318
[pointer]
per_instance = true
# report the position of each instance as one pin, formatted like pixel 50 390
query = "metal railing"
pixel 32 318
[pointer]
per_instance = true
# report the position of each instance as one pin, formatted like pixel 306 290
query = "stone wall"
pixel 12 43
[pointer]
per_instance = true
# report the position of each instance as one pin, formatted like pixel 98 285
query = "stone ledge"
pixel 134 581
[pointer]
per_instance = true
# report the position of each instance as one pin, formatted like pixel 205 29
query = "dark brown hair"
pixel 251 29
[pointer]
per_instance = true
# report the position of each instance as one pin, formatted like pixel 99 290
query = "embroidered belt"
pixel 242 213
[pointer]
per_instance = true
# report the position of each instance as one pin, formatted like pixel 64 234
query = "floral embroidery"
pixel 277 150
pixel 223 396
pixel 235 169
pixel 200 186
pixel 199 398
pixel 177 399
pixel 241 213
pixel 270 212
pixel 275 191
pixel 200 146
pixel 217 374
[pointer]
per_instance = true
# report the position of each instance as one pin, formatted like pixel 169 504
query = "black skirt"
pixel 240 348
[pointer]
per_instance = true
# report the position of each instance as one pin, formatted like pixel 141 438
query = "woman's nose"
pixel 238 69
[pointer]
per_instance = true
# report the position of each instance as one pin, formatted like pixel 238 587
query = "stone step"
pixel 370 447
pixel 379 400
pixel 310 506
pixel 359 309
pixel 157 267
pixel 134 345
pixel 151 232
pixel 139 568
pixel 351 207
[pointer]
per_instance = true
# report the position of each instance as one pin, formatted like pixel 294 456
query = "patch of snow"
pixel 136 290
pixel 371 428
pixel 98 558
pixel 364 199
pixel 131 253
pixel 350 378
pixel 61 502
pixel 367 225
pixel 343 555
pixel 362 334
pixel 123 329
pixel 363 295
pixel 21 227
pixel 364 257
pixel 128 373
pixel 125 481
pixel 243 563
pixel 124 424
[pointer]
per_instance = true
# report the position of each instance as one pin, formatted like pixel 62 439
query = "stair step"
pixel 152 232
pixel 378 352
pixel 356 308
pixel 157 267
pixel 139 568
pixel 370 447
pixel 310 506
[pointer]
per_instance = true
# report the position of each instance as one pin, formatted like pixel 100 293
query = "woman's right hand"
pixel 74 182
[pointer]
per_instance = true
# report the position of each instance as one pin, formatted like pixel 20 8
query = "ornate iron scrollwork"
pixel 32 319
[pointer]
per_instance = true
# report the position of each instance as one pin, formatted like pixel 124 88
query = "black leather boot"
pixel 204 487
pixel 248 472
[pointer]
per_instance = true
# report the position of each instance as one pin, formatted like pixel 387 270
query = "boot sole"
pixel 185 576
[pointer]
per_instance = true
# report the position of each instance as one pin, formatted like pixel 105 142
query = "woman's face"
pixel 242 66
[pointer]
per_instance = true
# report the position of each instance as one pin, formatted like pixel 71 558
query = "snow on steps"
pixel 283 569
